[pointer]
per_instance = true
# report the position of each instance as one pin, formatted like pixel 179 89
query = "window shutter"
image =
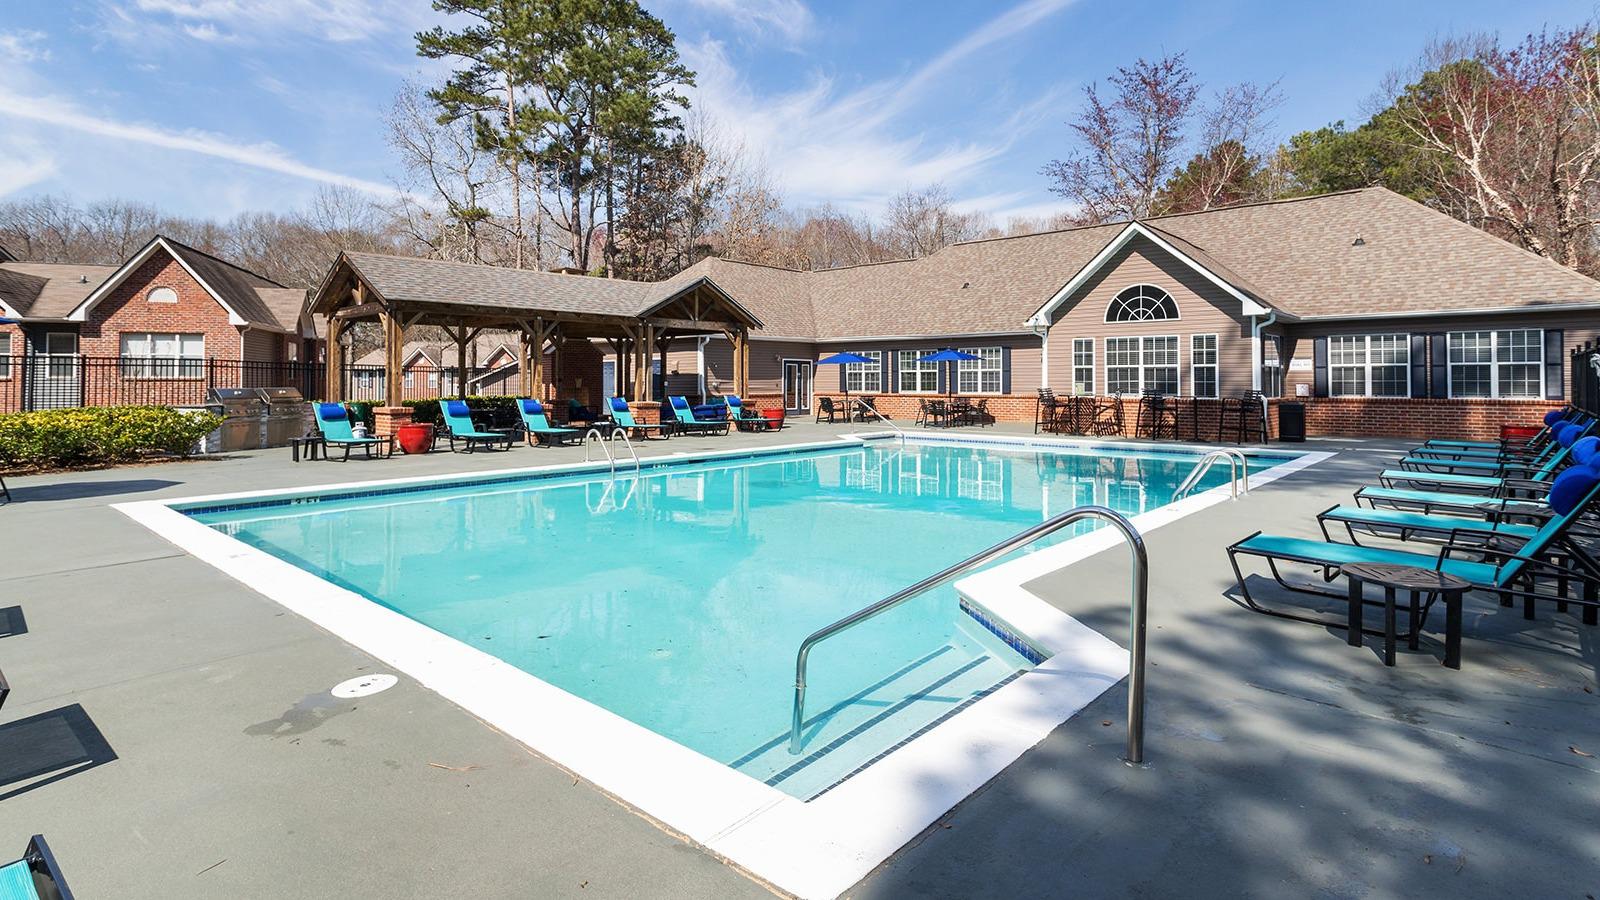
pixel 1319 364
pixel 1554 353
pixel 1439 366
pixel 842 367
pixel 1419 365
pixel 883 366
pixel 891 382
pixel 940 385
pixel 1005 370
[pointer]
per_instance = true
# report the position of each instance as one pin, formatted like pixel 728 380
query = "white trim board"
pixel 811 849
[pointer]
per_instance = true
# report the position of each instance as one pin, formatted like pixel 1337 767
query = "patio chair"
pixel 460 427
pixel 1498 463
pixel 1156 418
pixel 742 418
pixel 825 407
pixel 687 423
pixel 1509 566
pixel 1499 503
pixel 333 422
pixel 1551 419
pixel 1108 416
pixel 623 416
pixel 577 412
pixel 539 429
pixel 1243 416
pixel 980 413
pixel 1505 476
pixel 1044 411
pixel 35 876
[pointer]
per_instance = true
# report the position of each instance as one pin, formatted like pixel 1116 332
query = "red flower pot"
pixel 415 438
pixel 774 418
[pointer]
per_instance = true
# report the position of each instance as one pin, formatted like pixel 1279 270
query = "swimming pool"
pixel 676 600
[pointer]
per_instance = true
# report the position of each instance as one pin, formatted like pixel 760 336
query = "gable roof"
pixel 47 290
pixel 233 287
pixel 7 255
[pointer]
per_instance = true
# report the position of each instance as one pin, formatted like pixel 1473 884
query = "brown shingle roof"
pixel 48 290
pixel 438 281
pixel 776 296
pixel 238 287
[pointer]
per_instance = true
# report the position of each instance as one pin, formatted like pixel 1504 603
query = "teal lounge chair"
pixel 623 416
pixel 1584 451
pixel 333 422
pixel 539 428
pixel 1427 461
pixel 35 876
pixel 1551 419
pixel 684 418
pixel 1566 436
pixel 1510 567
pixel 742 418
pixel 459 427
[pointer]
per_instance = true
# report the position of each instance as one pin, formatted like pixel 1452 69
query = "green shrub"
pixel 67 437
pixel 428 410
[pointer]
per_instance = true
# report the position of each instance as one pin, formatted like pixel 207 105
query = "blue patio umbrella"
pixel 952 357
pixel 843 359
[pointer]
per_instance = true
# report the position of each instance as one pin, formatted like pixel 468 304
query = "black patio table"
pixel 1415 582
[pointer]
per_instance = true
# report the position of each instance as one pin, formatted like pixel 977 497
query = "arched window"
pixel 162 295
pixel 1142 303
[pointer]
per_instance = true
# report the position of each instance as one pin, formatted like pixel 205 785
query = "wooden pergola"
pixel 399 294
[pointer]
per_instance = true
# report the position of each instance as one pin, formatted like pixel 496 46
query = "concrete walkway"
pixel 172 734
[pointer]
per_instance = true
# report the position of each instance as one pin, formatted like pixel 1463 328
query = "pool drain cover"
pixel 364 686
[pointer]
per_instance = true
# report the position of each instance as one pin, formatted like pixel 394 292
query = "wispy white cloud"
pixel 264 156
pixel 857 148
pixel 790 19
pixel 215 21
pixel 23 46
pixel 20 172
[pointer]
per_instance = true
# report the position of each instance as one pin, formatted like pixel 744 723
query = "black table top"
pixel 1408 578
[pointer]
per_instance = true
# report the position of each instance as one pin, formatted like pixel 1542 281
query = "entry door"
pixel 53 381
pixel 608 378
pixel 797 385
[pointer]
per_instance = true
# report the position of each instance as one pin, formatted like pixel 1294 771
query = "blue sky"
pixel 212 107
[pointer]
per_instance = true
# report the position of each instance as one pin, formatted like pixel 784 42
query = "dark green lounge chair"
pixel 333 421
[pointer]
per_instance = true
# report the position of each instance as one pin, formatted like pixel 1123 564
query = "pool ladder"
pixel 1238 470
pixel 605 445
pixel 1137 612
pixel 881 417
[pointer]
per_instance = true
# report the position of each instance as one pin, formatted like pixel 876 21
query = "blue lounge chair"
pixel 1566 435
pixel 1509 567
pixel 333 422
pixel 539 428
pixel 742 418
pixel 35 876
pixel 459 427
pixel 684 418
pixel 623 416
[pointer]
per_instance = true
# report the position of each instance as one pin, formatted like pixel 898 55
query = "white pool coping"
pixel 814 849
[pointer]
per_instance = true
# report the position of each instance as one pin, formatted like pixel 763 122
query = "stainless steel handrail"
pixel 883 418
pixel 628 442
pixel 1238 469
pixel 1138 609
pixel 601 440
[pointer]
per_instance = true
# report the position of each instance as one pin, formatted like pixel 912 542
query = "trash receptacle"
pixel 1291 421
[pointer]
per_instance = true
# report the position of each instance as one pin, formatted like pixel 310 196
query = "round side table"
pixel 1415 582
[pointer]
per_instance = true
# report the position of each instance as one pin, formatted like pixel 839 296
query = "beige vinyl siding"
pixel 1203 308
pixel 681 374
pixel 260 346
pixel 766 364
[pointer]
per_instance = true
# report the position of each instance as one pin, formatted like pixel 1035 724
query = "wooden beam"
pixel 334 388
pixel 461 362
pixel 393 346
pixel 360 311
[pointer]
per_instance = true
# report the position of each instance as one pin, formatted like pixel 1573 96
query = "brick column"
pixel 646 413
pixel 386 420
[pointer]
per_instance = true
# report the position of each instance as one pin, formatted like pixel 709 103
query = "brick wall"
pixel 1420 419
pixel 127 309
pixel 582 361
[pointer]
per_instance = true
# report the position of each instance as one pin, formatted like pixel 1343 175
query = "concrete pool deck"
pixel 171 733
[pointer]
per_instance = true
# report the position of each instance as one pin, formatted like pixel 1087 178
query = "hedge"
pixel 428 410
pixel 96 434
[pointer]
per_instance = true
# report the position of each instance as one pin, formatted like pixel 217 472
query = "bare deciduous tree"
pixel 919 222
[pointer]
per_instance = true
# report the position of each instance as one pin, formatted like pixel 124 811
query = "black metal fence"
pixel 53 382
pixel 1585 391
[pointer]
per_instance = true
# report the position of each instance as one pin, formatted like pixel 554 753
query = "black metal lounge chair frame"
pixel 1552 566
pixel 42 865
pixel 472 442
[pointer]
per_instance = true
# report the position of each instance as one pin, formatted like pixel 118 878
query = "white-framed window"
pixel 411 378
pixel 162 295
pixel 61 354
pixel 158 354
pixel 5 355
pixel 865 377
pixel 1083 365
pixel 1507 363
pixel 1272 365
pixel 1369 365
pixel 917 376
pixel 1135 364
pixel 433 378
pixel 1203 365
pixel 982 375
pixel 1141 303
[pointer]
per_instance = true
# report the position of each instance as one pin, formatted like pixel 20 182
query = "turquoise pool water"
pixel 678 599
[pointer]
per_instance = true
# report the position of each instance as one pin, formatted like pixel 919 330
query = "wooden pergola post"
pixel 744 361
pixel 394 341
pixel 334 389
pixel 461 360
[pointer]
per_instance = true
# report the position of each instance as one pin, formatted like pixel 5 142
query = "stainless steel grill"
pixel 285 411
pixel 242 409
